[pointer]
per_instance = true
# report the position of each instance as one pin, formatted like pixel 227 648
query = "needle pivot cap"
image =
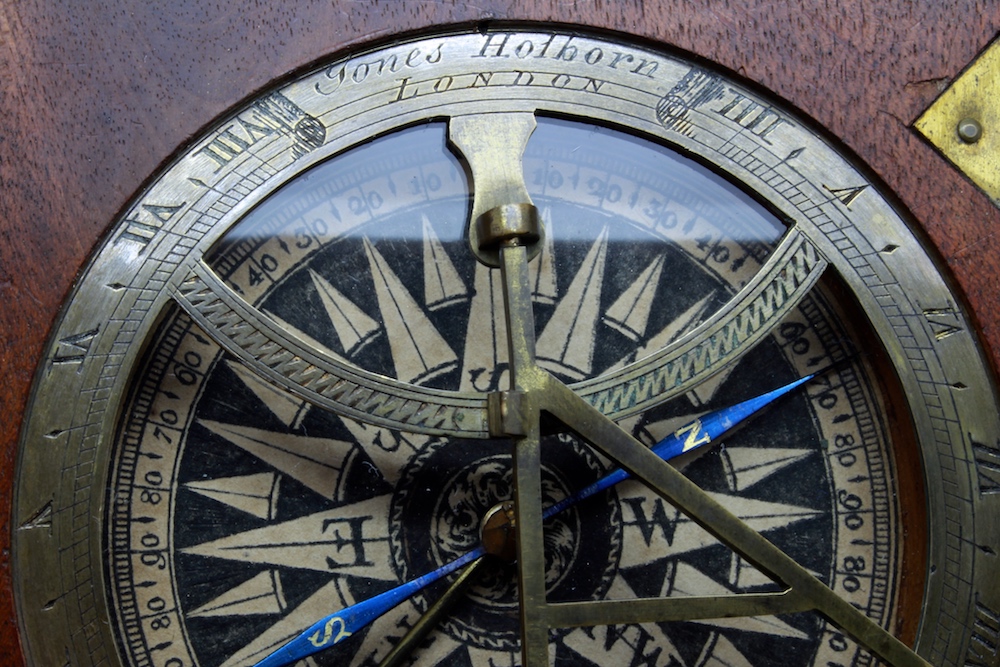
pixel 497 532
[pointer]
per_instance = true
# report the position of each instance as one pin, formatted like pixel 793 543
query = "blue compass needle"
pixel 692 435
pixel 337 627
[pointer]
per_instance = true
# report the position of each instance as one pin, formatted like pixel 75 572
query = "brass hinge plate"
pixel 964 122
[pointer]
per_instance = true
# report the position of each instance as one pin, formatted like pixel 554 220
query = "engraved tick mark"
pixel 794 154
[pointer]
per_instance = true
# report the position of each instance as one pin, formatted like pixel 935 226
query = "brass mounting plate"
pixel 973 96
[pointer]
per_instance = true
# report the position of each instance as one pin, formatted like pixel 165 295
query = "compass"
pixel 377 302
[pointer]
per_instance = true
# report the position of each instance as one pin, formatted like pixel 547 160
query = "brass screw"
pixel 969 130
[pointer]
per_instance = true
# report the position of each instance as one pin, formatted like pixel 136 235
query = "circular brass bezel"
pixel 839 219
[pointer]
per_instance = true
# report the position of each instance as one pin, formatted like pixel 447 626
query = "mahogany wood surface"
pixel 96 96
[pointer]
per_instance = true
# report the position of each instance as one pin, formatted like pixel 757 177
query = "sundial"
pixel 431 285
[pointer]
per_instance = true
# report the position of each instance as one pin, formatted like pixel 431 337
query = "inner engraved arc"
pixel 336 385
pixel 786 277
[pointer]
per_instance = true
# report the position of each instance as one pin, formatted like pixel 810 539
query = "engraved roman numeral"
pixel 759 119
pixel 40 519
pixel 73 349
pixel 943 322
pixel 984 645
pixel 227 145
pixel 987 460
pixel 846 196
pixel 274 113
pixel 697 88
pixel 145 222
